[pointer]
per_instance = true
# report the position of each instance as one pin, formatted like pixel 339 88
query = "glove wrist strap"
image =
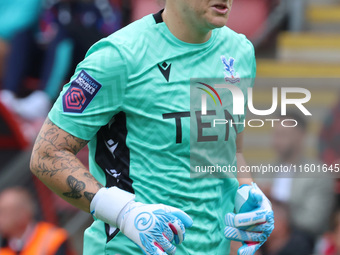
pixel 108 203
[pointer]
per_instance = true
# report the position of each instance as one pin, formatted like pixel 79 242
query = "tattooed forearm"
pixel 55 163
pixel 55 151
pixel 76 187
pixel 90 176
pixel 73 143
pixel 89 196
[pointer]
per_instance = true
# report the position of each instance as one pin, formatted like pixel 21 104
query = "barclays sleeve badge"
pixel 81 92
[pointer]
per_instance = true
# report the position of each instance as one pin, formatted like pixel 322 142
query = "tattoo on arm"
pixel 89 196
pixel 76 187
pixel 56 150
pixel 54 154
pixel 90 176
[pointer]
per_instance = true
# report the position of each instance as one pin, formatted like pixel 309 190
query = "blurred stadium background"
pixel 297 44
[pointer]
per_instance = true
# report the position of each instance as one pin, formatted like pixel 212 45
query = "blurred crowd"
pixel 306 207
pixel 41 42
pixel 20 231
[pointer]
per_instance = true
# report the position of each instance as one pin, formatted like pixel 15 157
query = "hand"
pixel 154 227
pixel 253 221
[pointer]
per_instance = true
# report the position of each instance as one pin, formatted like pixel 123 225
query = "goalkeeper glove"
pixel 254 219
pixel 152 227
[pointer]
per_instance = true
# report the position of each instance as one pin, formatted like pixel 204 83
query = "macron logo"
pixel 165 70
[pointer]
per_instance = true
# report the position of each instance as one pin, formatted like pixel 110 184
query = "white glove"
pixel 253 222
pixel 153 227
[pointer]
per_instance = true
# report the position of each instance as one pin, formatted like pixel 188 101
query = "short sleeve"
pixel 250 83
pixel 94 94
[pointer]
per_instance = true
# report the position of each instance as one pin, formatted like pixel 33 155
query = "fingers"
pixel 270 217
pixel 180 222
pixel 178 229
pixel 149 246
pixel 251 218
pixel 248 249
pixel 238 235
pixel 168 233
pixel 230 219
pixel 158 252
pixel 246 219
pixel 164 245
pixel 184 218
pixel 265 228
pixel 158 244
pixel 266 204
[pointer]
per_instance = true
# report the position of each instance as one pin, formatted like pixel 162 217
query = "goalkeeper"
pixel 129 100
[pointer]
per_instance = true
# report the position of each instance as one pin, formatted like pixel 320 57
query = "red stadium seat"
pixel 11 133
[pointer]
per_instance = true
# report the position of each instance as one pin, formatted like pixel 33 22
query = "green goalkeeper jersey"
pixel 130 97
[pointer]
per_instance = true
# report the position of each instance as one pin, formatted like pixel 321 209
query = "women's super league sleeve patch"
pixel 81 92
